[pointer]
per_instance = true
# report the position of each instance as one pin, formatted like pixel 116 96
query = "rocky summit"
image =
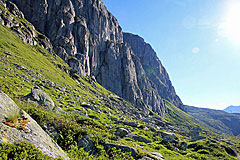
pixel 73 85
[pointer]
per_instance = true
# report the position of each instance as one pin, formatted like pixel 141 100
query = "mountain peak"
pixel 232 109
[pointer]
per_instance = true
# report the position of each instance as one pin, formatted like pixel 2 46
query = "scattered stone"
pixel 8 53
pixel 151 128
pixel 59 110
pixel 94 117
pixel 169 137
pixel 157 156
pixel 138 138
pixel 132 150
pixel 130 123
pixel 122 132
pixel 81 114
pixel 86 143
pixel 114 119
pixel 51 131
pixel 110 126
pixel 140 144
pixel 20 67
pixel 184 146
pixel 196 138
pixel 33 133
pixel 146 158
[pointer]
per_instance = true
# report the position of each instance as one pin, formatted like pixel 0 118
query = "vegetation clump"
pixel 16 120
pixel 21 150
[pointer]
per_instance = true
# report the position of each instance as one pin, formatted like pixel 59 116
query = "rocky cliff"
pixel 153 68
pixel 88 37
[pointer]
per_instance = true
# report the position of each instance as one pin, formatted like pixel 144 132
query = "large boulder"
pixel 33 132
pixel 122 132
pixel 157 156
pixel 169 137
pixel 41 98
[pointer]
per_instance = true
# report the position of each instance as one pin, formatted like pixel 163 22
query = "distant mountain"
pixel 232 109
pixel 222 121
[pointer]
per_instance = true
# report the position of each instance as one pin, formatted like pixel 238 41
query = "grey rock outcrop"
pixel 86 143
pixel 122 132
pixel 146 158
pixel 157 156
pixel 24 29
pixel 169 137
pixel 88 37
pixel 184 146
pixel 13 18
pixel 154 156
pixel 132 150
pixel 40 97
pixel 33 133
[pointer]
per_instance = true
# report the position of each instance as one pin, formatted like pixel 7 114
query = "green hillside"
pixel 88 121
pixel 23 67
pixel 222 121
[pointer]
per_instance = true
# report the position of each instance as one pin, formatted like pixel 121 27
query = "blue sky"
pixel 196 40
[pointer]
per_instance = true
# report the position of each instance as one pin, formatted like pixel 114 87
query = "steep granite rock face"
pixel 90 40
pixel 78 30
pixel 153 68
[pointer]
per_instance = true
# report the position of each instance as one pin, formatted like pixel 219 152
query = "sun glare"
pixel 231 27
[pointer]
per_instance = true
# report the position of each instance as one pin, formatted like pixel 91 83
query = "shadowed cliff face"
pixel 78 30
pixel 153 68
pixel 88 37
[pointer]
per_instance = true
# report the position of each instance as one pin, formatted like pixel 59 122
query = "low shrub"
pixel 21 150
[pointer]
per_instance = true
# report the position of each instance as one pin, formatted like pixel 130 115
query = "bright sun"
pixel 231 27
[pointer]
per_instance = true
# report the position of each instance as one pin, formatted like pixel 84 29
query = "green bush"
pixel 118 154
pixel 21 150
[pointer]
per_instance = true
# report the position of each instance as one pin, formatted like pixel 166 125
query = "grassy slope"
pixel 17 83
pixel 225 122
